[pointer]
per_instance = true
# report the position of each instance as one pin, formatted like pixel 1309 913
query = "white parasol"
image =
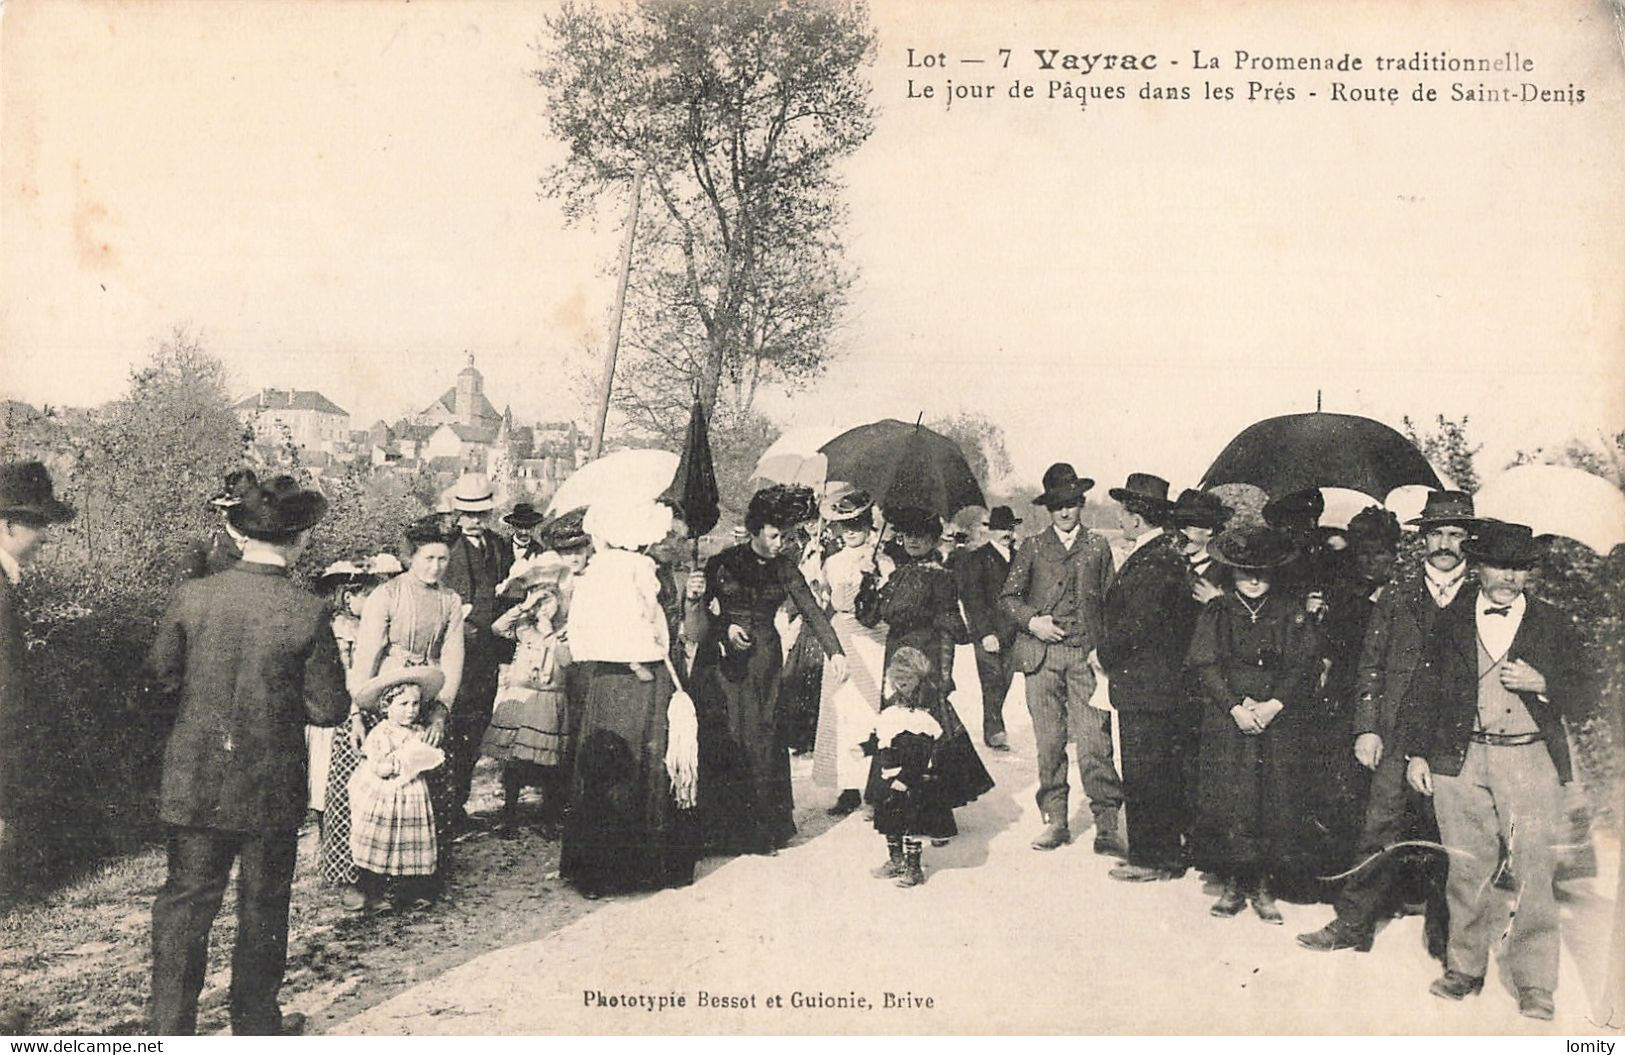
pixel 794 457
pixel 634 475
pixel 1557 500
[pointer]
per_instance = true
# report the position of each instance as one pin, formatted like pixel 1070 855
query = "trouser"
pixel 1511 795
pixel 465 730
pixel 1058 698
pixel 1391 814
pixel 993 671
pixel 1153 786
pixel 200 862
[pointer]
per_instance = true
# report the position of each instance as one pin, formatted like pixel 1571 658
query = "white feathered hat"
pixel 628 524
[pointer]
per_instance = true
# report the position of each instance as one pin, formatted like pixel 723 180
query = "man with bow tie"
pixel 523 520
pixel 1483 730
pixel 480 559
pixel 1391 650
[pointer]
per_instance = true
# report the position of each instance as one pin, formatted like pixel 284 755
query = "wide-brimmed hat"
pixel 847 504
pixel 473 494
pixel 1503 545
pixel 236 481
pixel 1002 518
pixel 1296 507
pixel 566 532
pixel 429 681
pixel 1253 547
pixel 1446 507
pixel 915 521
pixel 1199 509
pixel 1143 493
pixel 26 491
pixel 382 565
pixel 338 573
pixel 278 506
pixel 529 572
pixel 524 516
pixel 628 523
pixel 1063 486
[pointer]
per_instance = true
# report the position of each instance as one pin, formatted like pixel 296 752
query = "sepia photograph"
pixel 812 517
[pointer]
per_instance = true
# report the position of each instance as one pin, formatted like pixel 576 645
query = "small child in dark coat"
pixel 903 743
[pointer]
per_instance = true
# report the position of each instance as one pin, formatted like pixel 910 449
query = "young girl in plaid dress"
pixel 391 817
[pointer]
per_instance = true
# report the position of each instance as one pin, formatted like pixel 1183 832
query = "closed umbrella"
pixel 1557 500
pixel 695 484
pixel 905 465
pixel 1299 451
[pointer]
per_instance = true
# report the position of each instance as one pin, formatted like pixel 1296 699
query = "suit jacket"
pixel 1391 652
pixel 16 715
pixel 205 558
pixel 980 574
pixel 1039 573
pixel 1148 619
pixel 252 660
pixel 474 574
pixel 1440 711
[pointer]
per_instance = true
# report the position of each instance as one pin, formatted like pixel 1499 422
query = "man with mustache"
pixel 1390 655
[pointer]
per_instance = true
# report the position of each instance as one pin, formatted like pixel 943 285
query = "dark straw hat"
pixel 26 491
pixel 1298 507
pixel 1063 487
pixel 1253 547
pixel 275 508
pixel 849 504
pixel 566 532
pixel 1446 507
pixel 1502 545
pixel 1200 509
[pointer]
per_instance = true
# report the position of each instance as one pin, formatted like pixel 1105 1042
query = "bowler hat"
pixel 847 504
pixel 1297 507
pixel 1143 493
pixel 1063 487
pixel 1002 518
pixel 524 516
pixel 473 494
pixel 1253 547
pixel 278 506
pixel 1502 545
pixel 26 491
pixel 1199 509
pixel 1446 507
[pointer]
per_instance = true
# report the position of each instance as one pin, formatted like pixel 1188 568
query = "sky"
pixel 344 197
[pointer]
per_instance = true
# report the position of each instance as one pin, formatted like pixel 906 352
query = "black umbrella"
pixel 1299 451
pixel 904 465
pixel 695 484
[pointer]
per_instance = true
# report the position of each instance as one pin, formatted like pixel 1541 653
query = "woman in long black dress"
pixel 744 787
pixel 1257 656
pixel 919 603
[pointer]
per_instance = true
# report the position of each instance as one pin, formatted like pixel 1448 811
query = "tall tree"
pixel 736 112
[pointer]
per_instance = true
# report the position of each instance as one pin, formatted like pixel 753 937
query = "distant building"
pixel 313 422
pixel 463 404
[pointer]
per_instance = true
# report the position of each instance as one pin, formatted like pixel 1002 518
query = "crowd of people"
pixel 1295 717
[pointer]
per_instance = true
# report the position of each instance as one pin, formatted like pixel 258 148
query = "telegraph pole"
pixel 620 310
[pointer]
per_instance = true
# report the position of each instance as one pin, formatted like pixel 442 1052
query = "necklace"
pixel 1252 613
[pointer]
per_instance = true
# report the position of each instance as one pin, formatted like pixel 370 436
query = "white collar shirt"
pixel 1497 631
pixel 1067 537
pixel 1442 586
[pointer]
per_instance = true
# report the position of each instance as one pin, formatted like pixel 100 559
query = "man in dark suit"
pixel 1483 730
pixel 480 559
pixel 981 573
pixel 1142 649
pixel 1390 656
pixel 523 520
pixel 1053 592
pixel 28 509
pixel 250 659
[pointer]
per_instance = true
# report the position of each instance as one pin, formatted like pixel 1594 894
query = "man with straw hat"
pixel 28 509
pixel 1053 592
pixel 1390 657
pixel 249 658
pixel 1483 732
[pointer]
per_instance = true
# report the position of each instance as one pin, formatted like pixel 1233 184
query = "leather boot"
pixel 1264 905
pixel 1334 936
pixel 895 865
pixel 1231 901
pixel 913 874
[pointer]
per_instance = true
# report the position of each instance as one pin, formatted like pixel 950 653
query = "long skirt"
pixel 624 831
pixel 392 825
pixel 335 860
pixel 1246 785
pixel 847 709
pixel 319 749
pixel 745 802
pixel 800 689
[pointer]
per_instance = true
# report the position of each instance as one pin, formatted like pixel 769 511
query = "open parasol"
pixel 1557 500
pixel 1300 451
pixel 905 465
pixel 620 475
